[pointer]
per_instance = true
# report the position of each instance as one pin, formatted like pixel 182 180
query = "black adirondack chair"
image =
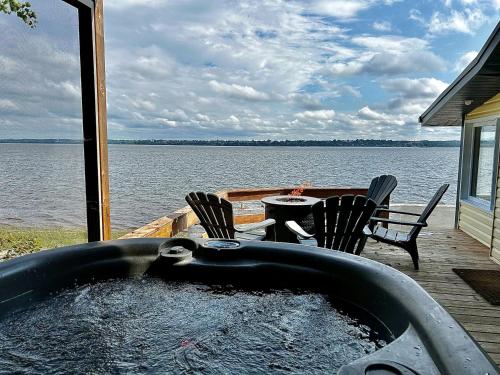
pixel 405 240
pixel 216 217
pixel 381 187
pixel 338 222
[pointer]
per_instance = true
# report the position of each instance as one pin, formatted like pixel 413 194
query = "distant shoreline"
pixel 267 143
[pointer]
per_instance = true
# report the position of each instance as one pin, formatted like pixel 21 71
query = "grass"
pixel 15 241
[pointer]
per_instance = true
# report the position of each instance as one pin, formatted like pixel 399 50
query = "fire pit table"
pixel 288 207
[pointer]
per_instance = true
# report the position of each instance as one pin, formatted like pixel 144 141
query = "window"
pixel 479 175
pixel 483 162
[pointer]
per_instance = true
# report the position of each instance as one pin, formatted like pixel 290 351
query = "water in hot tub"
pixel 155 326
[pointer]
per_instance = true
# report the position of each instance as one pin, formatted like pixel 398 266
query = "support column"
pixel 102 124
pixel 94 120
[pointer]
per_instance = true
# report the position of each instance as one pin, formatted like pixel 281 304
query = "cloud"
pixel 369 114
pixel 465 60
pixel 123 4
pixel 396 44
pixel 410 62
pixel 178 115
pixel 168 123
pixel 238 91
pixel 466 21
pixel 389 55
pixel 325 114
pixel 412 96
pixel 415 88
pixel 203 118
pixel 416 15
pixel 340 8
pixel 351 90
pixel 246 69
pixel 390 64
pixel 399 114
pixel 7 105
pixel 382 26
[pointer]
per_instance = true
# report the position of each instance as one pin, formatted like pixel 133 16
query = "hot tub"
pixel 417 335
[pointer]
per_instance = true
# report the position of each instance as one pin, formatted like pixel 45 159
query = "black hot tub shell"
pixel 427 339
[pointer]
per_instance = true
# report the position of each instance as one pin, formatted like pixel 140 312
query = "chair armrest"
pixel 297 230
pixel 242 228
pixel 396 211
pixel 400 222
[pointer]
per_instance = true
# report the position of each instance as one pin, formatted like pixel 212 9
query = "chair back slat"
pixel 215 214
pixel 339 221
pixel 213 222
pixel 368 207
pixel 195 202
pixel 227 209
pixel 218 213
pixel 381 187
pixel 345 208
pixel 356 208
pixel 318 214
pixel 428 209
pixel 331 208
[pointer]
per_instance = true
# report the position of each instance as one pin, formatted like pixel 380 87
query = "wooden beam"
pixel 237 195
pixel 248 218
pixel 102 127
pixel 92 67
pixel 89 119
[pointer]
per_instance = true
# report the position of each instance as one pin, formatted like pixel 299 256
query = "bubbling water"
pixel 153 326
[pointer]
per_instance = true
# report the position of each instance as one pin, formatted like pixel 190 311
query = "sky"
pixel 270 69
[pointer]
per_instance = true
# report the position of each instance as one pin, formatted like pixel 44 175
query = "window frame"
pixel 469 156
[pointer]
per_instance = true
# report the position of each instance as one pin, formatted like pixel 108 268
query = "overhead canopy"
pixel 475 85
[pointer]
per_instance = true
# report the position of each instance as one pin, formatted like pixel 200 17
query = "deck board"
pixel 441 250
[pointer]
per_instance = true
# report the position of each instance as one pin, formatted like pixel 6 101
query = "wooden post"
pixel 102 125
pixel 94 118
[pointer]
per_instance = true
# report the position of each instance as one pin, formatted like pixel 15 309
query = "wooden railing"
pixel 181 219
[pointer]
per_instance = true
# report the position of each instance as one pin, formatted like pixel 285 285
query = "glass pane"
pixel 484 147
pixel 42 187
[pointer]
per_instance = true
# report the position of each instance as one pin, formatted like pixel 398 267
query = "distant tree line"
pixel 221 142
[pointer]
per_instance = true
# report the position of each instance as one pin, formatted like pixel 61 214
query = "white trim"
pixel 468 163
pixel 478 204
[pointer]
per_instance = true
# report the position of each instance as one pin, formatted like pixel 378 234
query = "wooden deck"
pixel 441 250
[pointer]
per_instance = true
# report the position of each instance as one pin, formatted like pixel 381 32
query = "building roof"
pixel 479 82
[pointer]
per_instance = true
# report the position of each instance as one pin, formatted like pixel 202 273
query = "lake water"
pixel 43 185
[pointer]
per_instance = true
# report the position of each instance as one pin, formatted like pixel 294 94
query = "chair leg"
pixel 361 245
pixel 411 247
pixel 270 234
